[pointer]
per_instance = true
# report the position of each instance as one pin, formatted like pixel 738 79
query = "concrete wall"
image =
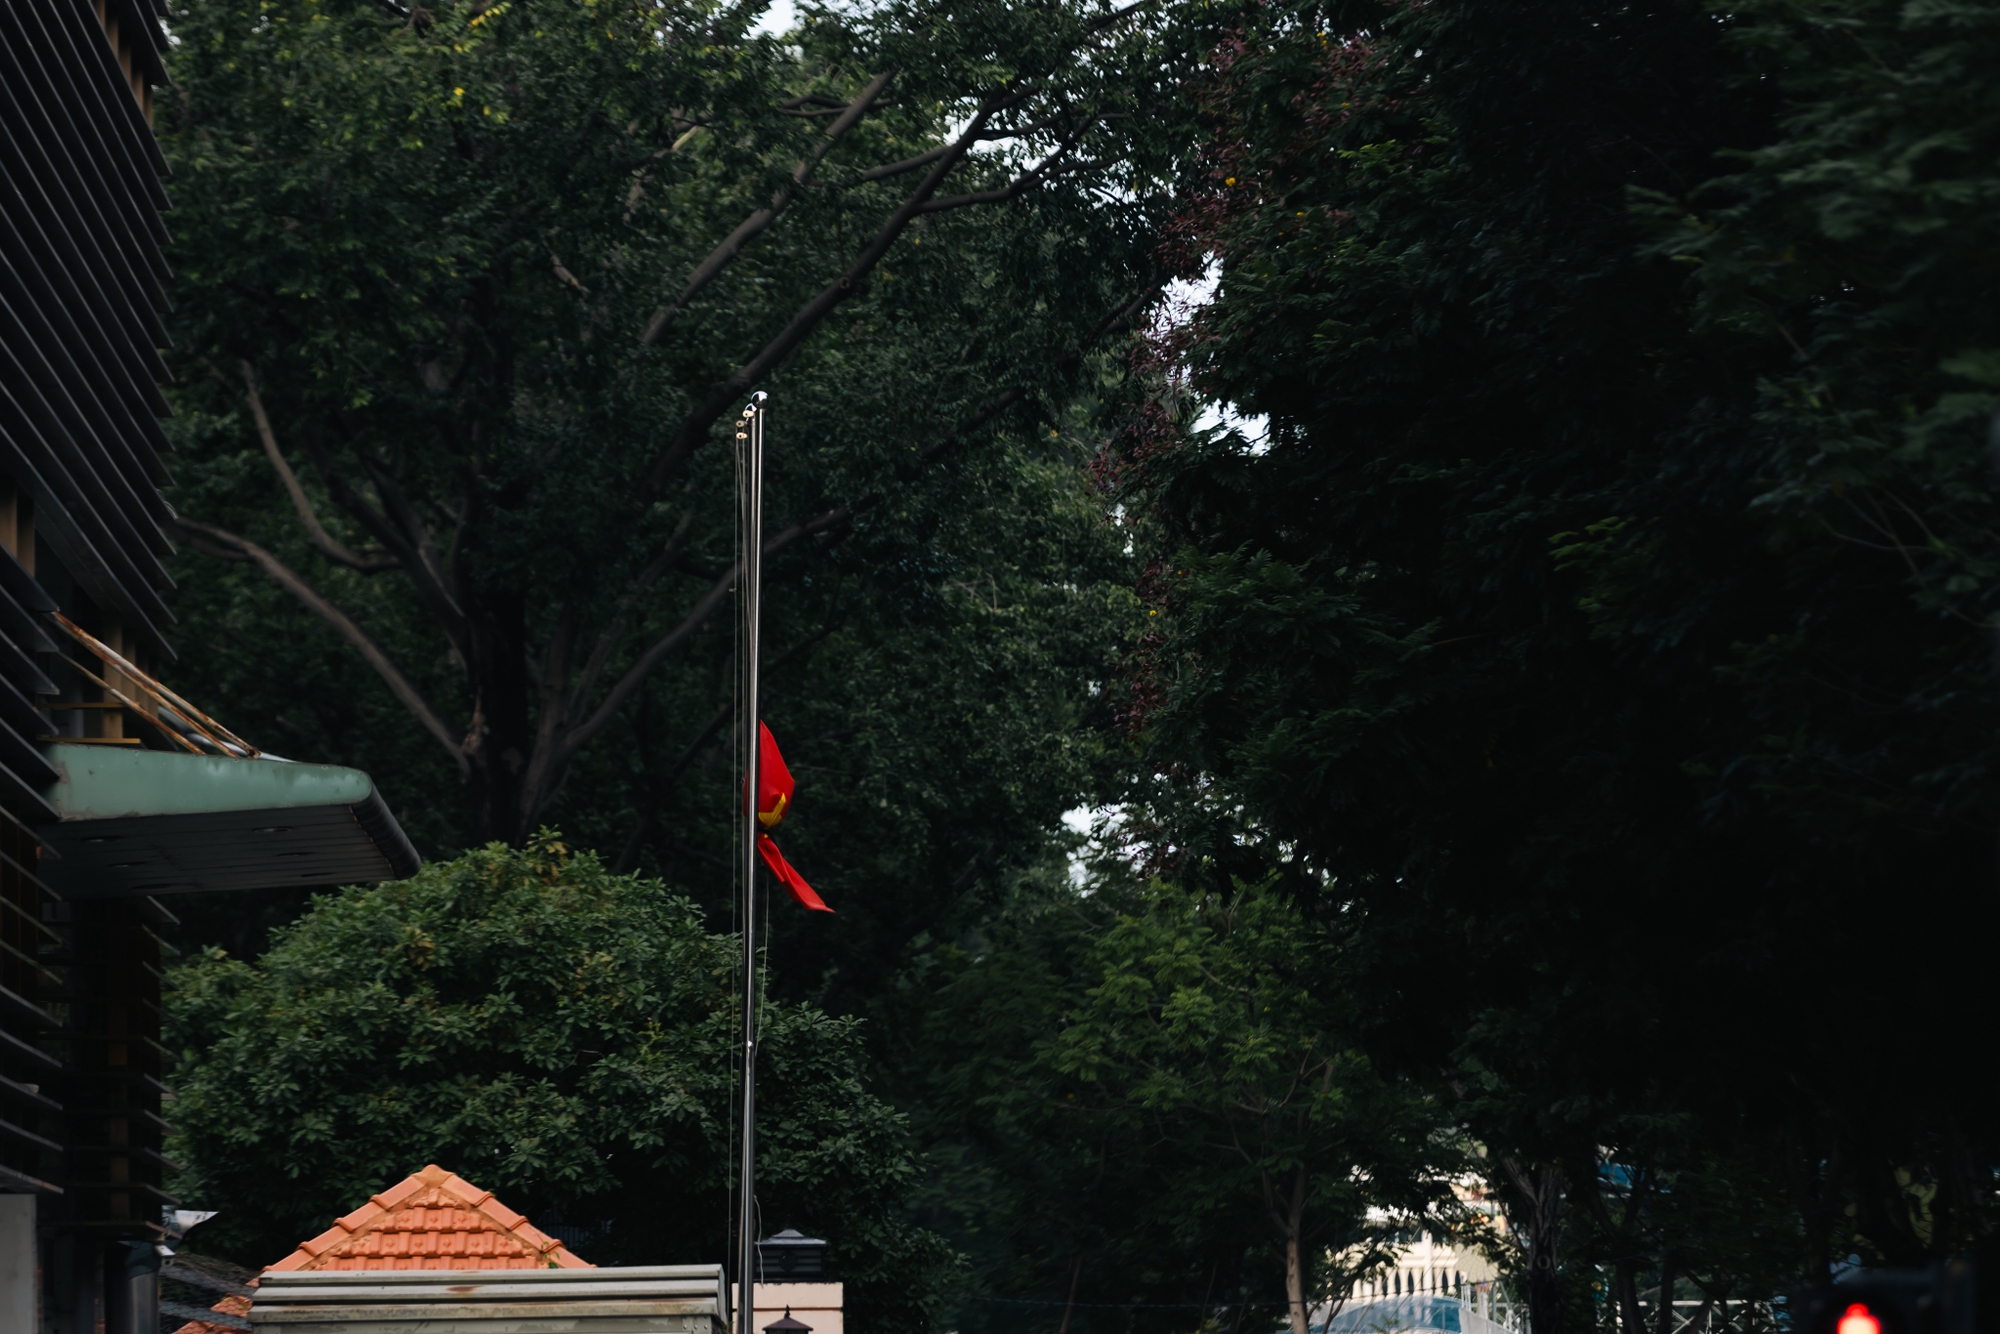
pixel 18 1263
pixel 815 1304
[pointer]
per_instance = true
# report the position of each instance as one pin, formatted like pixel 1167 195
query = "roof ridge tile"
pixel 433 1219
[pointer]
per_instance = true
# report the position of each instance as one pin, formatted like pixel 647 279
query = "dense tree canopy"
pixel 441 262
pixel 463 296
pixel 555 1033
pixel 1565 737
pixel 1606 618
pixel 1168 1110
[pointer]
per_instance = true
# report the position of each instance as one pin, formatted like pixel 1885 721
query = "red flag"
pixel 774 798
pixel 767 847
pixel 774 780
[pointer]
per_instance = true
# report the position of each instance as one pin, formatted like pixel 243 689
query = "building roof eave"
pixel 134 822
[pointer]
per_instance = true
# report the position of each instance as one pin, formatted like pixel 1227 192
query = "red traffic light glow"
pixel 1858 1320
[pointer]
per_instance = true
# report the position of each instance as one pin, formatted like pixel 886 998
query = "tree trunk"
pixel 1814 1181
pixel 499 741
pixel 1069 1305
pixel 1544 1292
pixel 1541 1191
pixel 1295 1259
pixel 1626 1283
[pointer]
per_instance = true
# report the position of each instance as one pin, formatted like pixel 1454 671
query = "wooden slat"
pixel 72 359
pixel 86 456
pixel 75 189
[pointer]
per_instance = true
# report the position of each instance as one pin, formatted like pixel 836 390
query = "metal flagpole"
pixel 750 432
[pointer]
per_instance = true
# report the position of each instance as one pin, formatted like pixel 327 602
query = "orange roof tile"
pixel 433 1220
pixel 231 1305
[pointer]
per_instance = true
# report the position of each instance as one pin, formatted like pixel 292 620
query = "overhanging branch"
pixel 316 534
pixel 716 595
pixel 207 537
pixel 694 429
pixel 754 225
pixel 414 560
pixel 888 169
pixel 1015 188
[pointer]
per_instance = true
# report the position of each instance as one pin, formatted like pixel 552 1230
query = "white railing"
pixel 1486 1309
pixel 1706 1317
pixel 1484 1312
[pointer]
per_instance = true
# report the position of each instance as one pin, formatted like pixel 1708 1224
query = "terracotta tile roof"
pixel 433 1220
pixel 231 1305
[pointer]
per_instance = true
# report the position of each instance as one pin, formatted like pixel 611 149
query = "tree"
pixel 486 283
pixel 1573 629
pixel 560 1035
pixel 1218 1018
pixel 1170 1097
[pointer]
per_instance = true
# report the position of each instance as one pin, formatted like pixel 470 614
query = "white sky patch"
pixel 1184 299
pixel 1078 822
pixel 1096 825
pixel 956 126
pixel 1187 295
pixel 1255 430
pixel 778 20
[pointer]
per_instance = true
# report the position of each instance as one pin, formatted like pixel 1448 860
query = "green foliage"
pixel 555 1033
pixel 1859 241
pixel 1605 626
pixel 438 242
pixel 1590 674
pixel 1166 1106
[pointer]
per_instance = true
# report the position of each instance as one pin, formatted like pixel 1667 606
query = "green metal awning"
pixel 139 822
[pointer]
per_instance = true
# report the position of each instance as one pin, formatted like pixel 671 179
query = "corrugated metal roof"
pixel 674 1299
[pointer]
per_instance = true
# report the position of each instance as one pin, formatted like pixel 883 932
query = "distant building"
pixel 1431 1286
pixel 1424 1264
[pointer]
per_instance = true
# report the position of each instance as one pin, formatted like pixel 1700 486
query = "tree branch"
pixel 1007 398
pixel 614 633
pixel 550 755
pixel 348 498
pixel 721 397
pixel 206 536
pixel 399 509
pixel 694 429
pixel 322 541
pixel 717 593
pixel 1015 188
pixel 412 560
pixel 752 226
pixel 658 793
pixel 889 169
pixel 550 715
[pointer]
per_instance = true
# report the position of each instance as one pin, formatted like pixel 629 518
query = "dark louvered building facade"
pixel 115 792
